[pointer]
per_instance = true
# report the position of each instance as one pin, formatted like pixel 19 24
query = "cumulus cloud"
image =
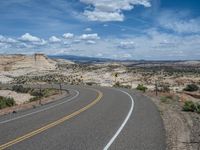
pixel 179 23
pixel 90 42
pixel 104 16
pixel 54 39
pixel 153 44
pixel 27 37
pixel 68 35
pixel 127 45
pixel 88 30
pixel 6 40
pixel 110 10
pixel 87 37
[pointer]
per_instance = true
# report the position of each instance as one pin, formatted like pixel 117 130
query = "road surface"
pixel 92 118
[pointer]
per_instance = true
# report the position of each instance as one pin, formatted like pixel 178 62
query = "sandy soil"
pixel 19 98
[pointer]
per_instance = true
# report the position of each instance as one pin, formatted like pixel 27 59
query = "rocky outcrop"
pixel 36 61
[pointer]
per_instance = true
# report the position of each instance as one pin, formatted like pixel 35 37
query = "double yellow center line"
pixel 48 126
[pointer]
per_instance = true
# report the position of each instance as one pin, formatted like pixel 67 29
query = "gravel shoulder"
pixel 182 128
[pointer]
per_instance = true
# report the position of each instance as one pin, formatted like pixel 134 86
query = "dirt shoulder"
pixel 182 128
pixel 33 104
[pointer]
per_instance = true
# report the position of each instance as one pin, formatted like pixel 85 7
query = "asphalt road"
pixel 91 118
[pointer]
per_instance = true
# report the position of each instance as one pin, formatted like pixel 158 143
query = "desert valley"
pixel 165 82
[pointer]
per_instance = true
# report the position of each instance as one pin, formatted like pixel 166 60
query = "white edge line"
pixel 123 124
pixel 41 110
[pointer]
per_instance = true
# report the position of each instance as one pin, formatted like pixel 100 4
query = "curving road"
pixel 92 118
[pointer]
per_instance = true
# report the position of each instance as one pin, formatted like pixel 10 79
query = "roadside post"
pixel 60 88
pixel 40 100
pixel 156 87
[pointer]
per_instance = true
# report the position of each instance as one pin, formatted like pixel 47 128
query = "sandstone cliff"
pixel 37 61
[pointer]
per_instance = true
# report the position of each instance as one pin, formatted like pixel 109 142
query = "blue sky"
pixel 119 29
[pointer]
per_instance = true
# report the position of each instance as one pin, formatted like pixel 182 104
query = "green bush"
pixel 190 106
pixel 191 88
pixel 34 99
pixel 37 93
pixel 141 87
pixel 169 98
pixel 118 85
pixel 198 108
pixel 164 99
pixel 20 89
pixel 6 102
pixel 2 103
pixel 91 83
pixel 164 88
pixel 10 102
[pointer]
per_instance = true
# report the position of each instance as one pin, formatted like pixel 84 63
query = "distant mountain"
pixel 85 59
pixel 81 59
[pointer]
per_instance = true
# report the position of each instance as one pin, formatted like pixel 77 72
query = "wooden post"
pixel 156 87
pixel 40 101
pixel 60 88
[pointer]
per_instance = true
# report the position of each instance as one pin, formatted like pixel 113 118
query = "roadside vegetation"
pixel 191 107
pixel 41 93
pixel 37 93
pixel 191 88
pixel 119 85
pixel 169 98
pixel 6 102
pixel 73 79
pixel 141 87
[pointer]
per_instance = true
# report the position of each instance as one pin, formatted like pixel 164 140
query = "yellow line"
pixel 48 126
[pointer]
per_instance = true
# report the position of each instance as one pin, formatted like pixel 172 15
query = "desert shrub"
pixel 37 93
pixel 6 102
pixel 164 88
pixel 169 98
pixel 189 106
pixel 126 86
pixel 49 92
pixel 164 99
pixel 198 108
pixel 20 89
pixel 10 102
pixel 191 88
pixel 2 103
pixel 118 85
pixel 91 83
pixel 34 99
pixel 141 87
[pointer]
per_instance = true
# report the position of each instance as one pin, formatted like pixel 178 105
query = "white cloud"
pixel 88 30
pixel 104 16
pixel 110 10
pixel 126 56
pixel 87 37
pixel 54 39
pixel 153 44
pixel 6 40
pixel 127 45
pixel 179 23
pixel 90 42
pixel 27 37
pixel 68 35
